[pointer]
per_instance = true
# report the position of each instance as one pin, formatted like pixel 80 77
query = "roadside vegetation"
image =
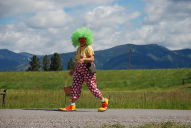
pixel 150 89
pixel 151 125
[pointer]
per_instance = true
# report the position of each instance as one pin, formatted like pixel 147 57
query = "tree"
pixel 46 63
pixel 34 64
pixel 71 64
pixel 56 63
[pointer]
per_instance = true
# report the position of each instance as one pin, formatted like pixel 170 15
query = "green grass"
pixel 164 125
pixel 150 89
pixel 152 125
pixel 106 80
pixel 177 99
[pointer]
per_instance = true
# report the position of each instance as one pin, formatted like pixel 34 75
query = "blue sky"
pixel 45 26
pixel 8 20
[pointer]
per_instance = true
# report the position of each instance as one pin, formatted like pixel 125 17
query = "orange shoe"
pixel 104 105
pixel 68 108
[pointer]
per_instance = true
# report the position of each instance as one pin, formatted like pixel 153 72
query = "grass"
pixel 177 99
pixel 108 126
pixel 152 125
pixel 164 125
pixel 150 89
pixel 107 80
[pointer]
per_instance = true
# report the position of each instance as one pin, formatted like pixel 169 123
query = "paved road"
pixel 50 118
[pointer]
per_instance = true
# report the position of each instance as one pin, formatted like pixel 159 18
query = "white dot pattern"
pixel 81 74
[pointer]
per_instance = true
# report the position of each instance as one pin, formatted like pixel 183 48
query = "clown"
pixel 83 38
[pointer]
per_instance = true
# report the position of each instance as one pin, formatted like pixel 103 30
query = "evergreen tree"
pixel 34 64
pixel 46 63
pixel 56 62
pixel 71 64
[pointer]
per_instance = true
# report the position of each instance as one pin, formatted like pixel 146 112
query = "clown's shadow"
pixel 83 110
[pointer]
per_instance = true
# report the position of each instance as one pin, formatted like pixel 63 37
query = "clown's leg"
pixel 91 83
pixel 92 86
pixel 75 92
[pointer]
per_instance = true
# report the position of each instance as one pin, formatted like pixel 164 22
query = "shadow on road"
pixel 59 110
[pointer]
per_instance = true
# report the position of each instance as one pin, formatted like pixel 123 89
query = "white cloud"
pixel 106 21
pixel 49 27
pixel 19 37
pixel 74 3
pixel 108 16
pixel 22 38
pixel 167 10
pixel 19 7
pixel 156 10
pixel 51 18
pixel 167 23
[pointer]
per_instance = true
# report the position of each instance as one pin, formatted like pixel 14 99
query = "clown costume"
pixel 83 38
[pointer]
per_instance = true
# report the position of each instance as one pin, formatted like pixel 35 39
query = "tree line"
pixel 48 64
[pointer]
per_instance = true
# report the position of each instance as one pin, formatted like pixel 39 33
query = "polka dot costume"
pixel 82 75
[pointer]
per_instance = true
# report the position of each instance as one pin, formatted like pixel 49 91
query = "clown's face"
pixel 82 41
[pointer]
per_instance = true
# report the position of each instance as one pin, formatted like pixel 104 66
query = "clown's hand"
pixel 81 60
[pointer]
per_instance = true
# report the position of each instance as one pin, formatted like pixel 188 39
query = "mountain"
pixel 150 56
pixel 142 57
pixel 10 61
pixel 126 56
pixel 184 52
pixel 28 55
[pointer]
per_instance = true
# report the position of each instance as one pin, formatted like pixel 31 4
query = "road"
pixel 51 118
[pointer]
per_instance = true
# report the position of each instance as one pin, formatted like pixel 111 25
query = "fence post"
pixel 4 97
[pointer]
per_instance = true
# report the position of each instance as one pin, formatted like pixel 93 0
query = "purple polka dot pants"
pixel 81 75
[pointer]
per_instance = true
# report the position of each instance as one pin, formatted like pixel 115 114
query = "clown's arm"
pixel 86 60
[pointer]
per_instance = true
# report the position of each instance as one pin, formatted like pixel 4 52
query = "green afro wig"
pixel 82 32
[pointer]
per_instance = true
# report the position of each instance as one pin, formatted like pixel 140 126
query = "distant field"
pixel 151 89
pixel 106 80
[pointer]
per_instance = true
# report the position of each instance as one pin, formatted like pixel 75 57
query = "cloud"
pixel 103 14
pixel 109 15
pixel 86 3
pixel 17 37
pixel 51 18
pixel 106 21
pixel 167 10
pixel 167 23
pixel 22 38
pixel 19 7
pixel 45 26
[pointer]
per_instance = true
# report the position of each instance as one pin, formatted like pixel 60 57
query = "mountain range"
pixel 128 56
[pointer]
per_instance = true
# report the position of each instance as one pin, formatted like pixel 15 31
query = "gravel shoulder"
pixel 49 118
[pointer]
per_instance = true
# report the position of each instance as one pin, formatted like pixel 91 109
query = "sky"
pixel 45 26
